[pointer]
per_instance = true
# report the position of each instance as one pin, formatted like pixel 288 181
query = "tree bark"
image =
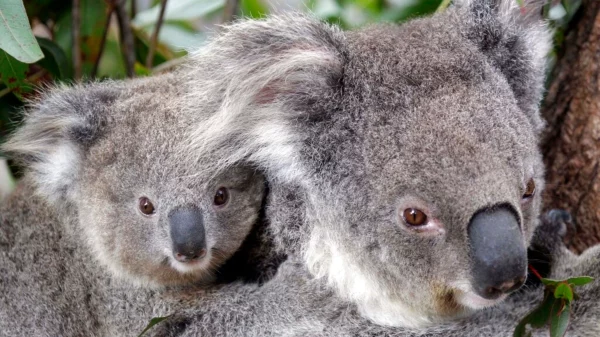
pixel 571 143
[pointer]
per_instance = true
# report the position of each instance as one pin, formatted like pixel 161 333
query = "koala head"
pixel 414 146
pixel 113 152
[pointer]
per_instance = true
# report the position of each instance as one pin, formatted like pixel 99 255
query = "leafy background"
pixel 47 41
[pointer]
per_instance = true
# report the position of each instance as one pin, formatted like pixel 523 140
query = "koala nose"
pixel 187 233
pixel 498 252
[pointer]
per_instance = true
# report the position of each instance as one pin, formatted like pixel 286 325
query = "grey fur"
pixel 77 257
pixel 296 304
pixel 439 113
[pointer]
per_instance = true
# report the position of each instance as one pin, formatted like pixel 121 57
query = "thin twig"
pixel 109 13
pixel 154 39
pixel 230 10
pixel 170 64
pixel 76 23
pixel 535 272
pixel 126 36
pixel 30 79
pixel 133 11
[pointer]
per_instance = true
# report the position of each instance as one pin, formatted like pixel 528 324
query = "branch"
pixel 133 10
pixel 166 66
pixel 126 36
pixel 230 10
pixel 154 40
pixel 76 23
pixel 110 11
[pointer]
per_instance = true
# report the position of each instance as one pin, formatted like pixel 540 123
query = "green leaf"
pixel 162 53
pixel 402 11
pixel 254 8
pixel 13 73
pixel 559 321
pixel 550 282
pixel 16 37
pixel 538 317
pixel 180 10
pixel 564 291
pixel 580 281
pixel 373 6
pixel 152 323
pixel 55 60
pixel 175 38
pixel 140 70
pixel 325 9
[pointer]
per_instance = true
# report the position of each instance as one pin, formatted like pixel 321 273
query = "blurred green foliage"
pixel 185 26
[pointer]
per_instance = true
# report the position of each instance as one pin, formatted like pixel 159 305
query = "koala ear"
pixel 56 130
pixel 517 41
pixel 256 76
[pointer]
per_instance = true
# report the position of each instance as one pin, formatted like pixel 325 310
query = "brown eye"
pixel 529 189
pixel 414 217
pixel 221 196
pixel 146 206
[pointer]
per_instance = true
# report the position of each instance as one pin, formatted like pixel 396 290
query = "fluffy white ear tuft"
pixel 254 76
pixel 55 132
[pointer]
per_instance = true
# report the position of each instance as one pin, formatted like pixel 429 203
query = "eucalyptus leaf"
pixel 253 8
pixel 152 323
pixel 549 282
pixel 538 317
pixel 55 60
pixel 13 73
pixel 563 291
pixel 178 39
pixel 140 70
pixel 580 281
pixel 559 319
pixel 180 10
pixel 325 8
pixel 16 37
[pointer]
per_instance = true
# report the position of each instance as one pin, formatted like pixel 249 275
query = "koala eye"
pixel 529 190
pixel 221 196
pixel 414 217
pixel 146 206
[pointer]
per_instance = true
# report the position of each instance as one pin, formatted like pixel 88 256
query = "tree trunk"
pixel 571 143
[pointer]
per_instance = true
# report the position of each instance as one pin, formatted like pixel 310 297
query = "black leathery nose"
pixel 498 252
pixel 187 233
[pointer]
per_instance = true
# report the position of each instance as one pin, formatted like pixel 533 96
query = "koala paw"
pixel 555 222
pixel 547 240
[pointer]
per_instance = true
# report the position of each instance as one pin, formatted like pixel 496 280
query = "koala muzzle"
pixel 187 233
pixel 498 252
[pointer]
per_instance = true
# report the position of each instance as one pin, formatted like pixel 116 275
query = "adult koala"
pixel 111 219
pixel 294 303
pixel 410 152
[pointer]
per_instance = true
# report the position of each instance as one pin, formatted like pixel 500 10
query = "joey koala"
pixel 111 203
pixel 412 150
pixel 294 303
